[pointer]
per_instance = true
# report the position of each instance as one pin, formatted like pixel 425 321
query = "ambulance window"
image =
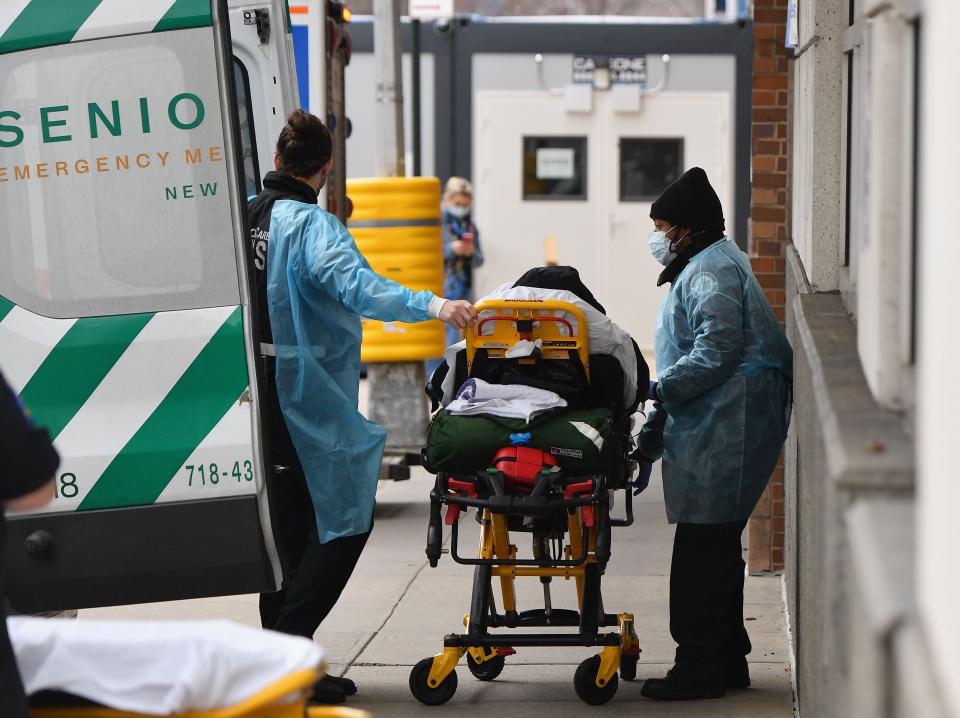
pixel 248 139
pixel 554 168
pixel 114 191
pixel 647 166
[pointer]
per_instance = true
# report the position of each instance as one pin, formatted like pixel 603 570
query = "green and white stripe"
pixel 130 400
pixel 26 24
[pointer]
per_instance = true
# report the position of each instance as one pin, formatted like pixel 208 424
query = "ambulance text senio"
pixel 54 128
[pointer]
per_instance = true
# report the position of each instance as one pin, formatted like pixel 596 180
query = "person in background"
pixel 312 286
pixel 26 482
pixel 719 420
pixel 461 247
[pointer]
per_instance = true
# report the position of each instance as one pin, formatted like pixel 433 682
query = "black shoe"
pixel 684 683
pixel 737 674
pixel 348 687
pixel 327 692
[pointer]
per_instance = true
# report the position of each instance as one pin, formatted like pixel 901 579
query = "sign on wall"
pixel 793 31
pixel 555 163
pixel 622 70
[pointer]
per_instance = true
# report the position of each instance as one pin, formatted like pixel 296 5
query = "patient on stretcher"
pixel 618 372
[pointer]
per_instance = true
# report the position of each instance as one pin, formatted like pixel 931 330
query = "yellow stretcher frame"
pixel 506 331
pixel 495 537
pixel 495 543
pixel 285 698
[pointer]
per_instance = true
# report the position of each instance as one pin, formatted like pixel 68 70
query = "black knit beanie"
pixel 690 202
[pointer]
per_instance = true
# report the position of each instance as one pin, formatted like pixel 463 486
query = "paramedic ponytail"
pixel 305 145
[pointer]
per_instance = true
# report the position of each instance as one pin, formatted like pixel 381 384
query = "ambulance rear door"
pixel 125 309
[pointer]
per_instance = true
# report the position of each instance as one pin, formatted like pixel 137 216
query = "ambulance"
pixel 131 135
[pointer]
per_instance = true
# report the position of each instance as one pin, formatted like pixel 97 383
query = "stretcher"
pixel 186 669
pixel 285 698
pixel 567 518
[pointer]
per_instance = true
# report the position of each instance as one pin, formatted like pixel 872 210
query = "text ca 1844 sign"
pixel 624 70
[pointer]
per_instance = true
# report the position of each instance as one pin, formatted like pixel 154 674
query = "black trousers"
pixel 13 701
pixel 706 593
pixel 320 571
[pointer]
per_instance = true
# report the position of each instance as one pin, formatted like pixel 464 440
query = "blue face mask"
pixel 660 246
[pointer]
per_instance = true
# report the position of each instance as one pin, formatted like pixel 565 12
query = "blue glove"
pixel 652 391
pixel 643 477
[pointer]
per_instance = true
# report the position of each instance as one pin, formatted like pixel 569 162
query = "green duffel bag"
pixel 582 441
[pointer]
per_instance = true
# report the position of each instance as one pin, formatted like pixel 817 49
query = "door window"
pixel 248 137
pixel 647 166
pixel 554 168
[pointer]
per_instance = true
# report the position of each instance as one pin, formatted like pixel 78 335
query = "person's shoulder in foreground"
pixel 29 458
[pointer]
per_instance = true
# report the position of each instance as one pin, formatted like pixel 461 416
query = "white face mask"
pixel 458 210
pixel 660 246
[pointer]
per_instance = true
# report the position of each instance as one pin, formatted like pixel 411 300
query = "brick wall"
pixel 768 231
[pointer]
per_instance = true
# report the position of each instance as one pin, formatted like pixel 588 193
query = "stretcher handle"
pixel 517 309
pixel 499 318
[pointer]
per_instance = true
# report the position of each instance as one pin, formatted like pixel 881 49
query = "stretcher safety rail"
pixel 502 323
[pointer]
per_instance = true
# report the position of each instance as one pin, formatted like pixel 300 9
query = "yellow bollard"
pixel 396 222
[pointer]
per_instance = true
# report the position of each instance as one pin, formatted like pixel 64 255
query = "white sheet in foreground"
pixel 155 667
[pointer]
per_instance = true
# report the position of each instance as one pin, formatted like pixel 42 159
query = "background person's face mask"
pixel 458 210
pixel 660 246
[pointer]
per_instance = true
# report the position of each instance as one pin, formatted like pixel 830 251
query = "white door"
pixel 688 129
pixel 599 220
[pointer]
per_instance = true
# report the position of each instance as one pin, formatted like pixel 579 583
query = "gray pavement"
pixel 396 610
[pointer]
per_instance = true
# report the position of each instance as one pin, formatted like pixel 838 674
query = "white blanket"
pixel 604 335
pixel 510 401
pixel 155 667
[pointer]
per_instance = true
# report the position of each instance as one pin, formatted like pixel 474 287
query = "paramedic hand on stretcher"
pixel 458 313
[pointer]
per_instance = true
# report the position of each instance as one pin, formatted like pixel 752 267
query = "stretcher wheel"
pixel 628 667
pixel 585 683
pixel 488 670
pixel 423 692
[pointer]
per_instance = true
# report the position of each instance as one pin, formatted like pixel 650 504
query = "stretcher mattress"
pixel 582 441
pixel 155 667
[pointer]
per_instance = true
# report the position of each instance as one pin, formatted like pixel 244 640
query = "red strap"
pixel 588 516
pixel 467 487
pixel 573 490
pixel 453 514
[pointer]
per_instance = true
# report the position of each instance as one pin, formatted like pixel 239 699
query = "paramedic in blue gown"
pixel 313 285
pixel 719 420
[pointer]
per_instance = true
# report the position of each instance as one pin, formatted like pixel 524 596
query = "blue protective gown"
pixel 318 286
pixel 725 374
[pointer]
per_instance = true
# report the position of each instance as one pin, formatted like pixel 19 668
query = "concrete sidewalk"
pixel 397 609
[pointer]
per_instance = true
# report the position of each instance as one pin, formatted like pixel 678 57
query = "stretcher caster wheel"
pixel 585 683
pixel 423 692
pixel 488 670
pixel 628 667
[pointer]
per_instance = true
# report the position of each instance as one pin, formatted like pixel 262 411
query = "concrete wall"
pixel 872 586
pixel 847 449
pixel 939 387
pixel 817 109
pixel 361 98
